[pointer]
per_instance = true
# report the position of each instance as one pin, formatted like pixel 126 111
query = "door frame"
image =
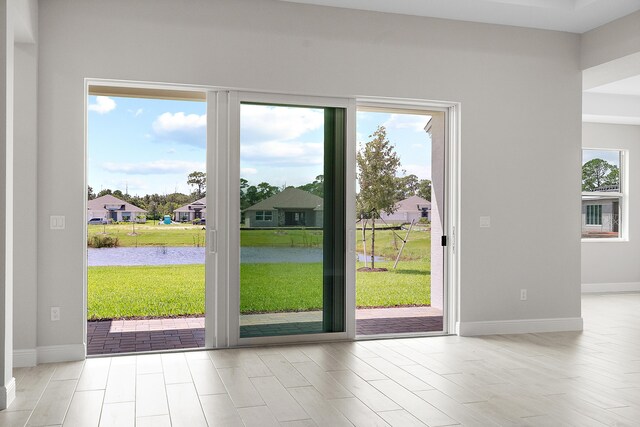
pixel 228 289
pixel 451 225
pixel 223 163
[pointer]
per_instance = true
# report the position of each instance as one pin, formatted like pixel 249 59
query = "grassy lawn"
pixel 157 291
pixel 144 291
pixel 151 234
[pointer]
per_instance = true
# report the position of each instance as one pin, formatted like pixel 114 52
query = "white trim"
pixel 523 326
pixel 61 353
pixel 7 394
pixel 350 219
pixel 588 288
pixel 25 358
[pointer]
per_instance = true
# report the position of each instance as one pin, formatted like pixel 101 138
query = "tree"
pixel 104 192
pixel 252 194
pixel 316 187
pixel 90 194
pixel 198 180
pixel 407 186
pixel 377 164
pixel 597 173
pixel 424 189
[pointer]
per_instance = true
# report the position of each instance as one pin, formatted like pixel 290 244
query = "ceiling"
pixel 628 86
pixel 576 16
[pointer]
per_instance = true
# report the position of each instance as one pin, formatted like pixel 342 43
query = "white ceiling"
pixel 576 16
pixel 629 86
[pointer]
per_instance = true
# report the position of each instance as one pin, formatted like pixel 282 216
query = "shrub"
pixel 99 241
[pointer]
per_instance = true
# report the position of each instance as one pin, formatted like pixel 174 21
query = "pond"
pixel 167 255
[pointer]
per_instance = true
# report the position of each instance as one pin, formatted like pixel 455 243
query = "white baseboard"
pixel 25 358
pixel 525 326
pixel 588 288
pixel 61 353
pixel 7 394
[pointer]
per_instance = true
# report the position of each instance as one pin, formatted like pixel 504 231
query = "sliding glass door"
pixel 286 207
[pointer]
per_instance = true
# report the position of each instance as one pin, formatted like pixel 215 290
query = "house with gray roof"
pixel 409 209
pixel 192 211
pixel 111 208
pixel 291 207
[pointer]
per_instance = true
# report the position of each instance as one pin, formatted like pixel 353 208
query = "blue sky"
pixel 611 156
pixel 150 146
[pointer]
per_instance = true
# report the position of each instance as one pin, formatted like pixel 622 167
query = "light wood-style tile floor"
pixel 579 379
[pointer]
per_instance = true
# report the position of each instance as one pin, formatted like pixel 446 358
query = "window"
pixel 594 214
pixel 603 193
pixel 264 216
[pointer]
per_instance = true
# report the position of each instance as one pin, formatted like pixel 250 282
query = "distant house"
pixel 192 211
pixel 111 208
pixel 406 210
pixel 289 208
pixel 600 214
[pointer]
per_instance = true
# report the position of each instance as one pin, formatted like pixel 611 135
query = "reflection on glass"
pixel 282 220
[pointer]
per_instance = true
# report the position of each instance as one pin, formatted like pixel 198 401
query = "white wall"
pixel 25 204
pixel 611 266
pixel 611 41
pixel 520 95
pixel 7 383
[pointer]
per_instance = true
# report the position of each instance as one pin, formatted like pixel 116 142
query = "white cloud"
pixel 261 122
pixel 248 171
pixel 286 153
pixel 169 122
pixel 103 105
pixel 407 121
pixel 158 167
pixel 171 151
pixel 185 128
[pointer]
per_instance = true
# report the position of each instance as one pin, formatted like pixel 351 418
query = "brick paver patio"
pixel 128 336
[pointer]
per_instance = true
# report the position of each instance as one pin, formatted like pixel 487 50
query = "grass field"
pixel 157 291
pixel 152 234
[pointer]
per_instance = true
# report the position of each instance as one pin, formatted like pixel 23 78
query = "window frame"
pixel 622 196
pixel 265 216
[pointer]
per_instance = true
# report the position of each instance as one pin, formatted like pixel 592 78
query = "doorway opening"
pixel 400 263
pixel 146 219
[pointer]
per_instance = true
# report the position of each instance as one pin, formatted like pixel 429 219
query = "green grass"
pixel 266 288
pixel 160 291
pixel 151 234
pixel 408 285
pixel 144 291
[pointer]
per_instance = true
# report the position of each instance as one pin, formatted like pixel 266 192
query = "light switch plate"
pixel 56 222
pixel 485 221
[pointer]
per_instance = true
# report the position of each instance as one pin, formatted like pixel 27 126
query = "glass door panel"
pixel 291 235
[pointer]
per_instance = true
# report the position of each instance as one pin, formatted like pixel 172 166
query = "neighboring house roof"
pixel 289 198
pixel 197 205
pixel 614 187
pixel 412 204
pixel 109 202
